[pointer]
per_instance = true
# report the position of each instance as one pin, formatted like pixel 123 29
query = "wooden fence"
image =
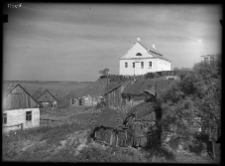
pixel 13 127
pixel 51 122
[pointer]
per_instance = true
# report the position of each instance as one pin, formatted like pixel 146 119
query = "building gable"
pixel 17 98
pixel 46 96
pixel 137 51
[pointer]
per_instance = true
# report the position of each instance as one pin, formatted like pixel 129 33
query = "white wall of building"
pixel 18 116
pixel 157 65
pixel 138 70
pixel 163 65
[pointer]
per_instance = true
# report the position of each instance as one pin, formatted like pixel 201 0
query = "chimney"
pixel 138 39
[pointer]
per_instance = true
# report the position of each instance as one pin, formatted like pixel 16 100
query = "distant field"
pixel 84 116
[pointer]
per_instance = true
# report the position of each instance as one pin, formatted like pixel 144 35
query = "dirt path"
pixel 76 140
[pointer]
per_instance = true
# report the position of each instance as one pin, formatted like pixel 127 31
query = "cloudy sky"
pixel 72 42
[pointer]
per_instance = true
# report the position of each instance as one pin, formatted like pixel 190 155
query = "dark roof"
pixel 46 96
pixel 112 90
pixel 139 87
pixel 142 109
pixel 110 118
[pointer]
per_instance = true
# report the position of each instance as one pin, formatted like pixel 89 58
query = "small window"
pixel 126 65
pixel 142 65
pixel 150 64
pixel 138 54
pixel 4 118
pixel 28 116
pixel 133 65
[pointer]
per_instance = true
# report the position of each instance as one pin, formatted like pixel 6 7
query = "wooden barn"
pixel 109 129
pixel 20 109
pixel 47 100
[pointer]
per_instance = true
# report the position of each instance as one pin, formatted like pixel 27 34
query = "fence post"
pixel 21 126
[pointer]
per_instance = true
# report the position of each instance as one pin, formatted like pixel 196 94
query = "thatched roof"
pixel 142 109
pixel 110 118
pixel 139 87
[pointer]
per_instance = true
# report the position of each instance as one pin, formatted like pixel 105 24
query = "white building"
pixel 20 110
pixel 140 60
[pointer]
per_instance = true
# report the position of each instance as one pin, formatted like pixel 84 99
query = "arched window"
pixel 139 54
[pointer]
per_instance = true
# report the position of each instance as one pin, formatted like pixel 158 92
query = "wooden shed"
pixel 109 129
pixel 47 100
pixel 20 109
pixel 141 124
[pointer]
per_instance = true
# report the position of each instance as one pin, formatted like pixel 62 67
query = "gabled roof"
pixel 155 54
pixel 19 99
pixel 8 86
pixel 46 96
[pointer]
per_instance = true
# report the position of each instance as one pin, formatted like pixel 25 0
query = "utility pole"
pixel 107 95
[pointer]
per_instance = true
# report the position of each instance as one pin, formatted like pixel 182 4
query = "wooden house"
pixel 20 109
pixel 47 100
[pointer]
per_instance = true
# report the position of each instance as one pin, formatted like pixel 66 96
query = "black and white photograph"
pixel 111 83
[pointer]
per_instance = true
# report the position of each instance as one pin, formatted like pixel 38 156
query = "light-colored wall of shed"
pixel 18 116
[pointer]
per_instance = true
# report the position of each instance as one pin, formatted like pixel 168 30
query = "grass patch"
pixel 13 143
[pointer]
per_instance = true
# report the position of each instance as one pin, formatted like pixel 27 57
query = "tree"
pixel 104 72
pixel 198 94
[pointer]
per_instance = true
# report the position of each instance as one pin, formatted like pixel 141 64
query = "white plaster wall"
pixel 163 65
pixel 130 70
pixel 18 116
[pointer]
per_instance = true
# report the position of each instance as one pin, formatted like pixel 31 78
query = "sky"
pixel 73 42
